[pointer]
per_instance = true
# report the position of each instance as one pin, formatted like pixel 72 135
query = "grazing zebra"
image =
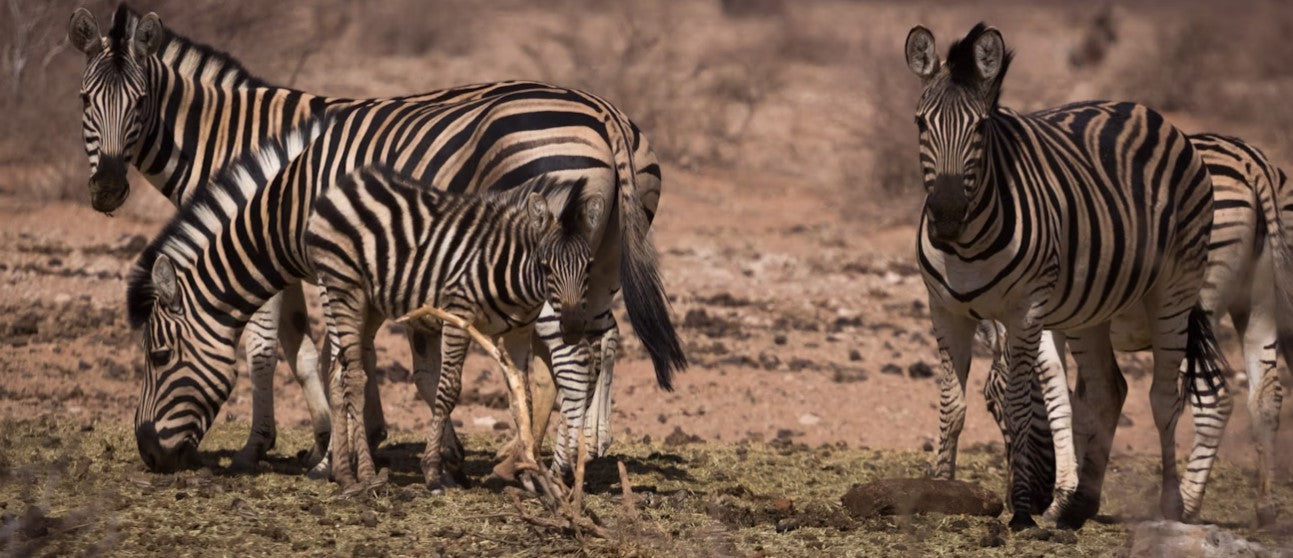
pixel 493 143
pixel 381 246
pixel 177 110
pixel 1248 277
pixel 140 108
pixel 1063 219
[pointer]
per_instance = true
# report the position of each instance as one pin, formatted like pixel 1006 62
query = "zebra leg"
pixel 1051 378
pixel 1028 361
pixel 425 347
pixel 603 347
pixel 1098 399
pixel 454 343
pixel 374 419
pixel 1210 407
pixel 303 358
pixel 345 335
pixel 1265 395
pixel 955 335
pixel 357 401
pixel 571 369
pixel 1041 485
pixel 261 346
pixel 1166 401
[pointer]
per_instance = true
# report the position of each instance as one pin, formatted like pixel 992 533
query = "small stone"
pixel 855 355
pixel 27 324
pixel 779 339
pixel 368 519
pixel 891 368
pixel 502 425
pixel 1124 420
pixel 928 445
pixel 920 371
pixel 909 496
pixel 809 419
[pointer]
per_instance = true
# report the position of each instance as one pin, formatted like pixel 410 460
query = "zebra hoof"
pixel 376 437
pixel 1172 506
pixel 247 460
pixel 321 471
pixel 1021 521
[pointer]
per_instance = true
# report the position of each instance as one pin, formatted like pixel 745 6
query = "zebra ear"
pixel 592 213
pixel 83 32
pixel 989 51
pixel 921 57
pixel 165 283
pixel 148 35
pixel 536 206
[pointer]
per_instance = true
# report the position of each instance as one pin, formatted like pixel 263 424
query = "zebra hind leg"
pixel 303 359
pixel 260 342
pixel 1098 400
pixel 1210 404
pixel 426 376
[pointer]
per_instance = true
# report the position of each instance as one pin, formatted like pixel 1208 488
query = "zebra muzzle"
pixel 109 186
pixel 946 206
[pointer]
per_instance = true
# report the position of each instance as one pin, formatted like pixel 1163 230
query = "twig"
pixel 553 491
pixel 628 499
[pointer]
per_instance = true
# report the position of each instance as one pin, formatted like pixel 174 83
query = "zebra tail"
pixel 644 295
pixel 1205 365
pixel 1271 203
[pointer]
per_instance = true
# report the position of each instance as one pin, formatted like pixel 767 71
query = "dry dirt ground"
pixel 804 332
pixel 786 248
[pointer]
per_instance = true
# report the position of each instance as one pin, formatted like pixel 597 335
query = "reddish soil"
pixel 798 322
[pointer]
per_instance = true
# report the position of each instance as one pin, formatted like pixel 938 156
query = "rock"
pixel 920 371
pixel 993 536
pixel 908 496
pixel 678 438
pixel 1153 539
pixel 368 519
pixel 27 324
pixel 891 368
pixel 779 339
pixel 809 419
pixel 855 355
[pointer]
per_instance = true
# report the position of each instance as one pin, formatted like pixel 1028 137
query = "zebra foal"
pixel 1064 219
pixel 381 246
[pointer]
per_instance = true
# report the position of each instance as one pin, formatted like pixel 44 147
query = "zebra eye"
pixel 85 100
pixel 159 357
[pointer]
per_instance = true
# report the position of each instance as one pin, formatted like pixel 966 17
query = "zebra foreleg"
pixel 425 346
pixel 1258 328
pixel 260 343
pixel 570 366
pixel 454 343
pixel 955 335
pixel 374 419
pixel 604 346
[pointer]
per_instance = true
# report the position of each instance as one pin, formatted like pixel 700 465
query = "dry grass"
pixel 70 488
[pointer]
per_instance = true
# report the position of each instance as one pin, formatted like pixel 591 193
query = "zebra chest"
pixel 985 286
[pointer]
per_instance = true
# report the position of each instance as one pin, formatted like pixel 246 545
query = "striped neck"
pixel 204 110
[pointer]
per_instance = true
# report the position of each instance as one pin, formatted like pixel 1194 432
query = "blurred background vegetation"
pixel 815 90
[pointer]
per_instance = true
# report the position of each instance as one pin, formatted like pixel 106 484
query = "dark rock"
pixel 1124 420
pixel 26 324
pixel 855 355
pixel 908 496
pixel 368 519
pixel 891 368
pixel 920 371
pixel 993 537
pixel 769 361
pixel 678 438
pixel 779 339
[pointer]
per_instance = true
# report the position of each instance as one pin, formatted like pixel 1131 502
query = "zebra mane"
pixel 209 210
pixel 961 66
pixel 126 18
pixel 569 217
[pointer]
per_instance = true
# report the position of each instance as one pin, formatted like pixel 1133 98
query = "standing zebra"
pixel 178 110
pixel 1248 277
pixel 1063 219
pixel 380 246
pixel 259 250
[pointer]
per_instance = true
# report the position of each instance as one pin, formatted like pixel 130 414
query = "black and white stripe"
pixel 1065 219
pixel 1248 277
pixel 381 246
pixel 195 109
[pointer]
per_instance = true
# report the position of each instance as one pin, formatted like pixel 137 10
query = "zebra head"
pixel 114 89
pixel 957 101
pixel 565 256
pixel 175 407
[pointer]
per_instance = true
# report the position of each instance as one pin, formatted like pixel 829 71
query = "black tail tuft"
pixel 648 311
pixel 1205 365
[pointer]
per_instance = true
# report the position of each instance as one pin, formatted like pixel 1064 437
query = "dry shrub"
pixel 695 106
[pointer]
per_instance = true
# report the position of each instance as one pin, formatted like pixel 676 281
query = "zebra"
pixel 1247 277
pixel 1064 219
pixel 177 110
pixel 136 111
pixel 472 146
pixel 380 245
